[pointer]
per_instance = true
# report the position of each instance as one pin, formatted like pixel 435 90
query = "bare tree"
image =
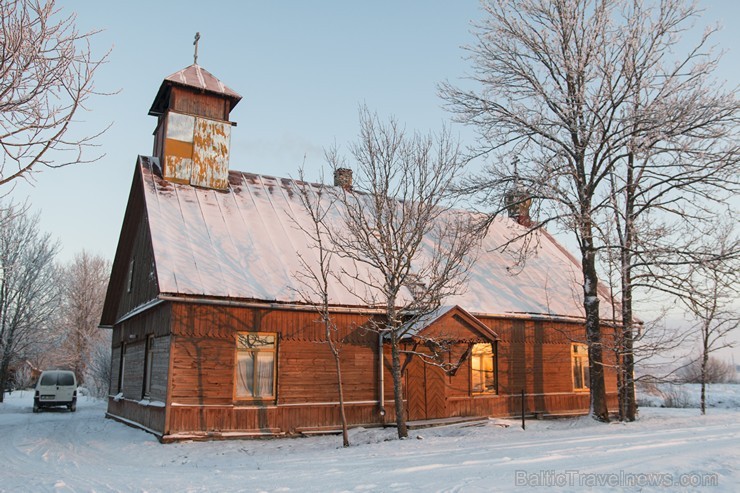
pixel 316 277
pixel 711 291
pixel 410 248
pixel 47 71
pixel 98 368
pixel 581 91
pixel 84 282
pixel 29 294
pixel 679 153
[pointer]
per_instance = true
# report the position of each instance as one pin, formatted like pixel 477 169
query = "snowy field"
pixel 666 450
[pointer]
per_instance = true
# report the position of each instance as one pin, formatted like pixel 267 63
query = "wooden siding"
pixel 115 367
pixel 133 376
pixel 198 103
pixel 195 353
pixel 150 417
pixel 134 244
pixel 531 355
pixel 160 368
pixel 133 333
pixel 144 282
pixel 203 353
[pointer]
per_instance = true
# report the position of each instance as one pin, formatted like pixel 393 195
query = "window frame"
pixel 273 350
pixel 582 358
pixel 121 368
pixel 494 368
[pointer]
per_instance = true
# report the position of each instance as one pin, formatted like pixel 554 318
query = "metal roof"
pixel 196 77
pixel 247 244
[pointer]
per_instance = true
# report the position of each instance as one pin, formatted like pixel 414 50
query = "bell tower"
pixel 193 135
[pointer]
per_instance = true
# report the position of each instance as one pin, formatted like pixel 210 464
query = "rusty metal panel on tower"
pixel 211 154
pixel 178 147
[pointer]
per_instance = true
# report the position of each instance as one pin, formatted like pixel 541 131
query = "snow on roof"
pixel 200 78
pixel 245 244
pixel 196 77
pixel 418 326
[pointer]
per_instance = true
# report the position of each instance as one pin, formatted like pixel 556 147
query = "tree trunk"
pixel 4 365
pixel 398 389
pixel 599 410
pixel 628 358
pixel 621 389
pixel 704 361
pixel 342 414
pixel 629 375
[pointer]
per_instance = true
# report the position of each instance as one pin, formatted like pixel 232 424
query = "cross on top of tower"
pixel 195 43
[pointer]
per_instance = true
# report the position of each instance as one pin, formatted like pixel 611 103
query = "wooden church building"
pixel 210 338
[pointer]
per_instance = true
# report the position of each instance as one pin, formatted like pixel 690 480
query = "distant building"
pixel 210 338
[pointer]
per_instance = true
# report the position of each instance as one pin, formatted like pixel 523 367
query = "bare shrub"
pixel 717 371
pixel 675 396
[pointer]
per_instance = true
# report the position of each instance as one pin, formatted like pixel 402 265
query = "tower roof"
pixel 195 77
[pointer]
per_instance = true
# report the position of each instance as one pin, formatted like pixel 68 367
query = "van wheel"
pixel 36 407
pixel 72 407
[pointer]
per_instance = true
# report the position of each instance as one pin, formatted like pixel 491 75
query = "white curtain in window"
pixel 244 374
pixel 264 374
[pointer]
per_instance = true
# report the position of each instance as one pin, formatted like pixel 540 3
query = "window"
pixel 255 366
pixel 149 356
pixel 122 367
pixel 49 379
pixel 579 356
pixel 65 379
pixel 483 369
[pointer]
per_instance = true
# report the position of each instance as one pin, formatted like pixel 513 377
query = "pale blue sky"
pixel 302 69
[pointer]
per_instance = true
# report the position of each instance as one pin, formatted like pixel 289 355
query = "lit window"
pixel 581 379
pixel 255 366
pixel 483 369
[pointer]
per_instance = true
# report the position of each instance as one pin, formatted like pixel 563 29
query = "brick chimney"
pixel 518 200
pixel 343 178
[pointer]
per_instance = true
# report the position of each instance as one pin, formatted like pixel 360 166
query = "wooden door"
pixel 426 391
pixel 436 395
pixel 415 391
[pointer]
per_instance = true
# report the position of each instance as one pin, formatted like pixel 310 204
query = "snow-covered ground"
pixel 666 450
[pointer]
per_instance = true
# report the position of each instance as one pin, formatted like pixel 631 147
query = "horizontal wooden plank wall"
pixel 150 417
pixel 294 419
pixel 203 358
pixel 534 355
pixel 268 419
pixel 209 105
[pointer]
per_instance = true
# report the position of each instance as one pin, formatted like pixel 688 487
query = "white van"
pixel 56 388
